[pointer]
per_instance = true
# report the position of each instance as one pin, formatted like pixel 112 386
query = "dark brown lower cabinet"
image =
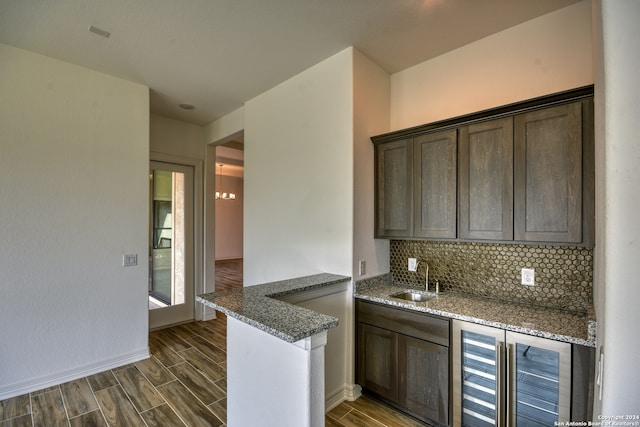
pixel 403 359
pixel 424 378
pixel 378 357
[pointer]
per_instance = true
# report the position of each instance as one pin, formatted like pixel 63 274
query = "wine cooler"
pixel 503 378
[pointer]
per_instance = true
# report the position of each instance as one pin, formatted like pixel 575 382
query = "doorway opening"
pixel 171 260
pixel 225 166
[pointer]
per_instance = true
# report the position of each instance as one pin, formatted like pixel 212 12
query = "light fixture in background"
pixel 185 106
pixel 223 195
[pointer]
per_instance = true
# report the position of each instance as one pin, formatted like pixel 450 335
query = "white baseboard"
pixel 348 392
pixel 40 383
pixel 353 392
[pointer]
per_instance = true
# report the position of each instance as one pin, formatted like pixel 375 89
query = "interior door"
pixel 171 262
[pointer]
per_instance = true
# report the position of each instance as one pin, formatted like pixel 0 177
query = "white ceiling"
pixel 217 54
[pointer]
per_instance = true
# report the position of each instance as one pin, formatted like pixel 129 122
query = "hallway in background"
pixel 228 274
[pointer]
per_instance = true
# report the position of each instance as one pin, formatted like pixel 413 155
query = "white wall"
pixel 371 99
pixel 618 201
pixel 256 361
pixel 224 129
pixel 336 301
pixel 545 55
pixel 177 138
pixel 298 182
pixel 309 187
pixel 74 199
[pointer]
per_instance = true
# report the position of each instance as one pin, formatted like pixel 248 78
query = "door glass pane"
pixel 537 390
pixel 167 278
pixel 479 383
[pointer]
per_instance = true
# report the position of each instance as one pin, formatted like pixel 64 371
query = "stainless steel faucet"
pixel 426 280
pixel 426 277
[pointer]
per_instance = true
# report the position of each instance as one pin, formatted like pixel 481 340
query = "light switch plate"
pixel 413 264
pixel 129 260
pixel 528 276
pixel 363 268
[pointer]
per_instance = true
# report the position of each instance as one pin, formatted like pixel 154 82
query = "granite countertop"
pixel 257 306
pixel 559 325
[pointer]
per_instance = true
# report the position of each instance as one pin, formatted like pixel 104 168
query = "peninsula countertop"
pixel 257 306
pixel 559 325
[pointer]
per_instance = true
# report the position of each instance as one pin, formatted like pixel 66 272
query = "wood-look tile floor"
pixel 182 384
pixel 228 274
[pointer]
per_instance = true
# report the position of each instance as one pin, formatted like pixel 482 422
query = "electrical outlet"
pixel 413 264
pixel 363 268
pixel 528 276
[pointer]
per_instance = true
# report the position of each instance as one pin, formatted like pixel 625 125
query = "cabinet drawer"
pixel 422 326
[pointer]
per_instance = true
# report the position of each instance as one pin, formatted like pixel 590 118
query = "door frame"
pixel 198 221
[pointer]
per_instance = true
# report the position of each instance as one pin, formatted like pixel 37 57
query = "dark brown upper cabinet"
pixel 416 186
pixel 519 173
pixel 548 174
pixel 394 189
pixel 435 157
pixel 486 180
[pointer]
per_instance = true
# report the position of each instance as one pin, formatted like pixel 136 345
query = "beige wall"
pixel 229 213
pixel 545 55
pixel 74 199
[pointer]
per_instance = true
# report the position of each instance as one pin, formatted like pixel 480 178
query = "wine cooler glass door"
pixel 540 375
pixel 478 357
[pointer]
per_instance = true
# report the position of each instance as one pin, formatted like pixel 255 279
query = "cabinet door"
pixel 435 156
pixel 394 189
pixel 486 180
pixel 424 379
pixel 539 380
pixel 548 175
pixel 478 390
pixel 377 361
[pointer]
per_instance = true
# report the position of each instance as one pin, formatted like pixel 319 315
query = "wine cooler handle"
pixel 510 387
pixel 499 384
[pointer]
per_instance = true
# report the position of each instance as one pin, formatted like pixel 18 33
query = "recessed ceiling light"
pixel 99 31
pixel 186 106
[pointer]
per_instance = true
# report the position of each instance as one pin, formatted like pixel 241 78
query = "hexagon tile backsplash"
pixel 563 274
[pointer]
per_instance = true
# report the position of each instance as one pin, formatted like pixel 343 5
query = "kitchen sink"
pixel 414 296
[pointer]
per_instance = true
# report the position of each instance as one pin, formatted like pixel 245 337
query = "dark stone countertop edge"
pixel 553 324
pixel 256 306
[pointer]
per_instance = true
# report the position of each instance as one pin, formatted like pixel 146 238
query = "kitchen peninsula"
pixel 275 352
